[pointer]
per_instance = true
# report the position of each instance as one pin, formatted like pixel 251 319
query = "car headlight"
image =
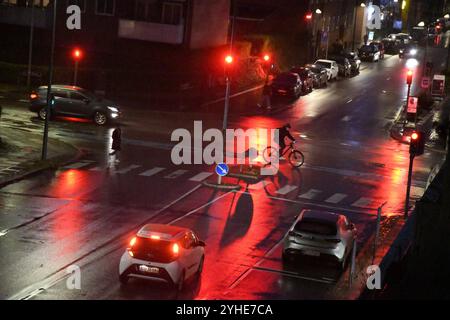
pixel 413 52
pixel 113 109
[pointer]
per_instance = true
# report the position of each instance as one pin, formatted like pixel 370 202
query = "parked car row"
pixel 302 80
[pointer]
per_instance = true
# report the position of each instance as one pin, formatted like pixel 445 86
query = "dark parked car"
pixel 380 46
pixel 320 75
pixel 74 102
pixel 369 53
pixel 306 76
pixel 345 68
pixel 409 51
pixel 287 84
pixel 354 61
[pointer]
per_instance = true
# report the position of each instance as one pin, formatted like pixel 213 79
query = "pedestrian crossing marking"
pixel 362 202
pixel 336 198
pixel 128 169
pixel 152 172
pixel 201 176
pixel 286 189
pixel 310 194
pixel 176 174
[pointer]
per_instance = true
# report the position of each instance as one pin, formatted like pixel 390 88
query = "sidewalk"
pixel 20 154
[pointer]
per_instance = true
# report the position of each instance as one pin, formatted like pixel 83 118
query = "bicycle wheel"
pixel 268 153
pixel 296 158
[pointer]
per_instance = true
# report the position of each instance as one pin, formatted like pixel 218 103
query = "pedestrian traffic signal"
pixel 417 144
pixel 409 77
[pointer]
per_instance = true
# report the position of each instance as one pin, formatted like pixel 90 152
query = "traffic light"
pixel 309 16
pixel 266 58
pixel 417 144
pixel 409 77
pixel 229 59
pixel 77 54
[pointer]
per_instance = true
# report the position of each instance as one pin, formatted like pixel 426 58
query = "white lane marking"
pixel 175 174
pixel 260 185
pixel 78 165
pixel 311 194
pixel 128 169
pixel 152 172
pixel 23 100
pixel 201 176
pixel 362 202
pixel 96 169
pixel 286 189
pixel 349 101
pixel 345 172
pixel 233 95
pixel 336 198
pixel 201 207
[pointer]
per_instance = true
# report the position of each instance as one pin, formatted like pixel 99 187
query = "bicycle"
pixel 295 157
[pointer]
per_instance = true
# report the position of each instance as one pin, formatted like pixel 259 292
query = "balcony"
pixel 149 31
pixel 21 16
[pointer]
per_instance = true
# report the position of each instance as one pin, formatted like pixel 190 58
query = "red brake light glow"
pixel 155 237
pixel 175 248
pixel 33 96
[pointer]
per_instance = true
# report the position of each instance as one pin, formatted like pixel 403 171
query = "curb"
pixel 33 167
pixel 224 186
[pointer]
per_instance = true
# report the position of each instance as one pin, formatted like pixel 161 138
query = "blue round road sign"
pixel 222 169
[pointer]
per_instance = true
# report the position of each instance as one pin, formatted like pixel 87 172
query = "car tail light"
pixel 175 249
pixel 33 96
pixel 334 240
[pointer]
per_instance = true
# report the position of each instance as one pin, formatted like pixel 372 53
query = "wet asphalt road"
pixel 84 214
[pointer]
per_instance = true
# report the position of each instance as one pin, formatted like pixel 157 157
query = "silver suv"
pixel 322 235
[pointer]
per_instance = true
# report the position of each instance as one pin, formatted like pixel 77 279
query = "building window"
pixel 80 3
pixel 105 7
pixel 172 13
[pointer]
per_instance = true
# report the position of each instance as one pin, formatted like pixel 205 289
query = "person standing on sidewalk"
pixel 116 144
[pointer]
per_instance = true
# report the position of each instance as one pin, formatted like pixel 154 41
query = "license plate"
pixel 311 253
pixel 148 269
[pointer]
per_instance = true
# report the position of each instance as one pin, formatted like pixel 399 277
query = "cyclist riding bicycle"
pixel 283 133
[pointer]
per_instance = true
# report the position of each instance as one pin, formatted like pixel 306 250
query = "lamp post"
pixel 30 46
pixel 49 88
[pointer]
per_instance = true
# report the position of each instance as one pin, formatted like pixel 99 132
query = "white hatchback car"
pixel 163 253
pixel 331 67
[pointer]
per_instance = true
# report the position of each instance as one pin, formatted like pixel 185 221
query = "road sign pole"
pixel 408 188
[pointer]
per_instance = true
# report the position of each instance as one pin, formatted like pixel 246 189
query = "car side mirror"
pixel 201 243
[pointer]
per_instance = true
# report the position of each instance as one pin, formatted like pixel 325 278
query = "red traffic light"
pixel 414 136
pixel 229 59
pixel 409 77
pixel 266 58
pixel 77 54
pixel 309 16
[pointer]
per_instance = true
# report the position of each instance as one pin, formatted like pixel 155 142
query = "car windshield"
pixel 285 78
pixel 315 69
pixel 368 48
pixel 316 227
pixel 153 250
pixel 324 64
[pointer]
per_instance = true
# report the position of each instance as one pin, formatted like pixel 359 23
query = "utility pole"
pixel 49 88
pixel 30 46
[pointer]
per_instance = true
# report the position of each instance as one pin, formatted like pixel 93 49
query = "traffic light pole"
pixel 408 189
pixel 75 74
pixel 49 89
pixel 227 104
pixel 406 107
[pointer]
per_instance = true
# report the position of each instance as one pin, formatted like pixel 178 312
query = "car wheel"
pixel 123 279
pixel 100 118
pixel 42 114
